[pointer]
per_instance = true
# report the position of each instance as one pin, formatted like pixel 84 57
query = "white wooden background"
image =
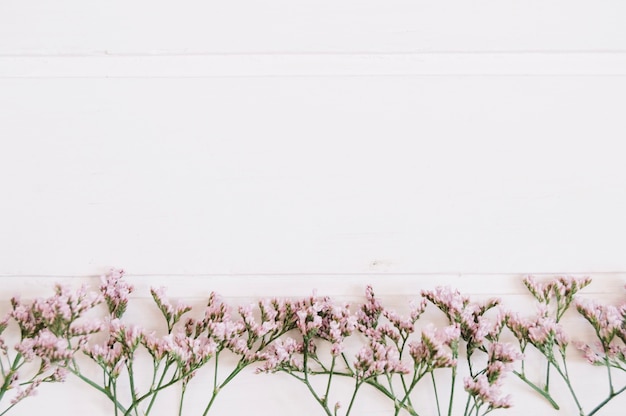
pixel 270 147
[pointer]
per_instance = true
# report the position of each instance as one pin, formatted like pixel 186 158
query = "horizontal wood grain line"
pixel 326 274
pixel 174 53
pixel 286 286
pixel 315 65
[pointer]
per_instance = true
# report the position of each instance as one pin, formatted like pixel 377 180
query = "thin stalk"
pixel 330 378
pixel 140 399
pixel 12 369
pixel 114 385
pixel 432 377
pixel 240 366
pixel 467 413
pixel 405 402
pixel 110 396
pixel 539 390
pixel 2 366
pixel 312 391
pixel 356 390
pixel 182 398
pixel 547 387
pixel 608 370
pixel 8 408
pixel 452 391
pixel 605 401
pixel 565 377
pixel 153 387
pixel 467 403
pixel 406 391
pixel 133 391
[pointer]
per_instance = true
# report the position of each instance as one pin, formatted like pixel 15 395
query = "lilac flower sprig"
pixel 391 361
pixel 245 337
pixel 115 291
pixel 176 356
pixel 609 324
pixel 186 346
pixel 481 334
pixel 319 321
pixel 50 333
pixel 544 332
pixel 383 327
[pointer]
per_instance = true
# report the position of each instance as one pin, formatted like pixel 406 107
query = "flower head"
pixel 115 291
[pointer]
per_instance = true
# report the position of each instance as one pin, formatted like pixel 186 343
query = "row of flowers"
pixel 74 331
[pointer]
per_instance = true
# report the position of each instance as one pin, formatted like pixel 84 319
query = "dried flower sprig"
pixel 415 357
pixel 50 333
pixel 394 361
pixel 544 332
pixel 245 337
pixel 318 321
pixel 175 356
pixel 309 338
pixel 480 334
pixel 609 324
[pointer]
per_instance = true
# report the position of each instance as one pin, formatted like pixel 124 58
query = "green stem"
pixel 474 406
pixel 565 377
pixel 330 378
pixel 312 391
pixel 131 378
pixel 452 391
pixel 407 391
pixel 405 403
pixel 182 398
pixel 107 393
pixel 467 403
pixel 153 387
pixel 175 379
pixel 240 366
pixel 608 370
pixel 113 384
pixel 605 401
pixel 432 377
pixel 547 387
pixel 12 370
pixel 538 389
pixel 8 408
pixel 356 390
pixel 217 358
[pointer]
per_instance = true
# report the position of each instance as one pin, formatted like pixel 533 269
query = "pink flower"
pixel 109 355
pixel 485 392
pixel 171 313
pixel 22 393
pixel 283 353
pixel 605 319
pixel 437 347
pixel 115 291
pixel 541 331
pixel 377 359
pixel 44 345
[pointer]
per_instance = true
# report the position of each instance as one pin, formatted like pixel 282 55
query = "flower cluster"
pixel 480 331
pixel 485 388
pixel 50 333
pixel 438 347
pixel 115 291
pixel 609 324
pixel 309 338
pixel 545 332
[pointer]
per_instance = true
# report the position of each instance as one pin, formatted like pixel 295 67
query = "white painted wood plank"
pixel 316 65
pixel 248 26
pixel 312 175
